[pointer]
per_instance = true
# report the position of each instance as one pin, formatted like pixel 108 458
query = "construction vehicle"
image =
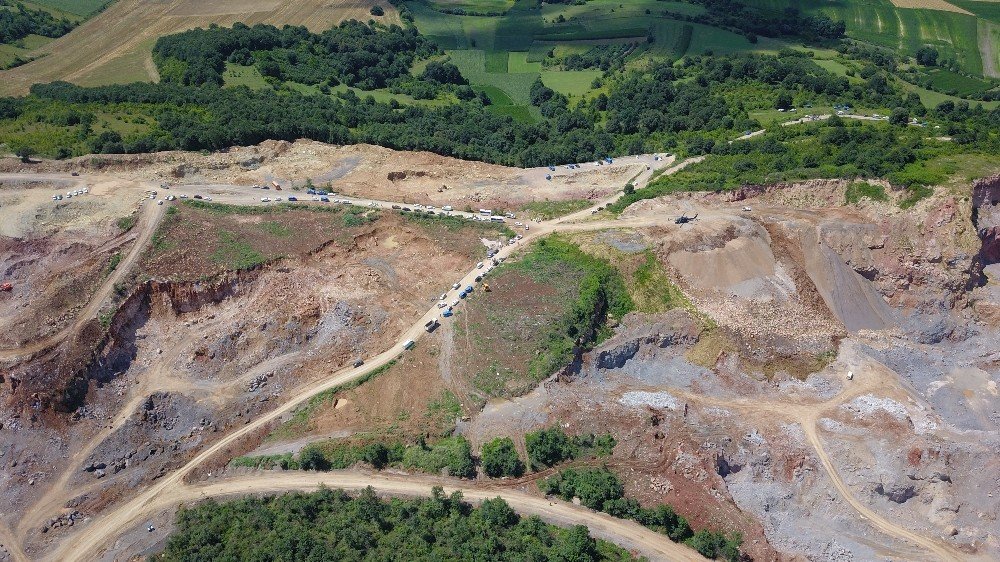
pixel 277 186
pixel 684 219
pixel 6 287
pixel 486 287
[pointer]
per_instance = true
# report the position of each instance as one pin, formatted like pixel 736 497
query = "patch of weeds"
pixel 443 411
pixel 653 291
pixel 548 210
pixel 125 224
pixel 859 190
pixel 275 228
pixel 104 318
pixel 359 217
pixel 916 193
pixel 116 258
pixel 236 254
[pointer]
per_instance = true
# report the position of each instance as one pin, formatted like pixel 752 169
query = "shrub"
pixel 500 459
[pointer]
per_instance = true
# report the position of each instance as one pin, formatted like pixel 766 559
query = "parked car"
pixel 293 198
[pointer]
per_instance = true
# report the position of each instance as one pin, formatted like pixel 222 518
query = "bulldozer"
pixel 486 287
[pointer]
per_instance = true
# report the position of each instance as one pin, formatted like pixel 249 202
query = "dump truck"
pixel 6 287
pixel 486 287
pixel 276 185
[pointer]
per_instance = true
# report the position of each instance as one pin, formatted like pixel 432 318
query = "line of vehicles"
pixel 71 194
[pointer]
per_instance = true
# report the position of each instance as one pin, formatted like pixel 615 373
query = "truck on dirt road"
pixel 431 324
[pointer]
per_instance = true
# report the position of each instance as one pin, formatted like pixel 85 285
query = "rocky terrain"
pixel 829 387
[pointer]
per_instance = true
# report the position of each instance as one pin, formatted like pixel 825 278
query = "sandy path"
pixel 146 225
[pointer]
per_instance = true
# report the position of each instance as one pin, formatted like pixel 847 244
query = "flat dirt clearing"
pixel 940 5
pixel 128 26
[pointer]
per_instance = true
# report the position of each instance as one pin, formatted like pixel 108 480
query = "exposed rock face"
pixel 986 214
pixel 61 378
pixel 676 327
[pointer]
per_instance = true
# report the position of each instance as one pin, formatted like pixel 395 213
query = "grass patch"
pixel 496 62
pixel 299 422
pixel 234 253
pixel 859 190
pixel 541 308
pixel 113 261
pixel 275 228
pixel 239 75
pixel 653 291
pixel 547 210
pixel 125 224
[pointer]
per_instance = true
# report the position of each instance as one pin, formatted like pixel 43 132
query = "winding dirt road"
pixel 626 533
pixel 149 218
pixel 94 537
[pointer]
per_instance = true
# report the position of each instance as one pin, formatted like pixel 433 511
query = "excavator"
pixel 684 219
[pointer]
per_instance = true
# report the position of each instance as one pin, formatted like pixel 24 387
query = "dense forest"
pixel 331 525
pixel 17 21
pixel 352 53
pixel 691 107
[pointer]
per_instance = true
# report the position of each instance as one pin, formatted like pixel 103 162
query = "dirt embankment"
pixel 61 378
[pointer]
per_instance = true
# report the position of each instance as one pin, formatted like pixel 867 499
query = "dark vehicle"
pixel 359 363
pixel 322 192
pixel 310 192
pixel 293 198
pixel 198 197
pixel 684 219
pixel 264 187
pixel 74 174
pixel 479 278
pixel 407 209
pixel 430 212
pixel 324 199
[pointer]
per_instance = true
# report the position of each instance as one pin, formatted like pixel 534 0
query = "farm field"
pixel 906 26
pixel 23 49
pixel 126 28
pixel 80 8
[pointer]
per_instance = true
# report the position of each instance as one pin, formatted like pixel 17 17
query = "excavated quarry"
pixel 739 411
pixel 721 416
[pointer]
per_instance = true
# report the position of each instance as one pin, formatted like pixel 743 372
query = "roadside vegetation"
pixel 601 489
pixel 332 525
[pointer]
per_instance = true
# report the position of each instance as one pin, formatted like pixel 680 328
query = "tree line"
pixel 17 21
pixel 332 525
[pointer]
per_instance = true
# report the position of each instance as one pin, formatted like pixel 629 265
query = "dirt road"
pixel 626 533
pixel 870 377
pixel 149 218
pixel 167 491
